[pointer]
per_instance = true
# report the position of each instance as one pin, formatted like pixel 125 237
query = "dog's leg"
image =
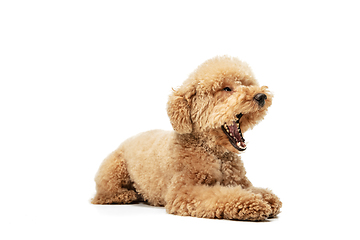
pixel 234 175
pixel 269 197
pixel 113 184
pixel 215 202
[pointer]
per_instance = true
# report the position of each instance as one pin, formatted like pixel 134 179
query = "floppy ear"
pixel 178 110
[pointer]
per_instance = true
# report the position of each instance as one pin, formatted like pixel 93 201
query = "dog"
pixel 195 170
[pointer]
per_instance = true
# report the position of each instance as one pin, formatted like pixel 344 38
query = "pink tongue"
pixel 234 131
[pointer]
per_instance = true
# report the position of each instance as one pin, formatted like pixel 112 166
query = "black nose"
pixel 260 99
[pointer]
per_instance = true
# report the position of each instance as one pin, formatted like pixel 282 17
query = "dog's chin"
pixel 234 134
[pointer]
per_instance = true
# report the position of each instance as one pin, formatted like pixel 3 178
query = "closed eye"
pixel 227 89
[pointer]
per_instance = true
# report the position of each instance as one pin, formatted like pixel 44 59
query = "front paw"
pixel 252 208
pixel 274 202
pixel 270 198
pixel 256 210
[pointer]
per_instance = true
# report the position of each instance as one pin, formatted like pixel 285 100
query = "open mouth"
pixel 233 132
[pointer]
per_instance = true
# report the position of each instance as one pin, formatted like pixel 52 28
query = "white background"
pixel 79 77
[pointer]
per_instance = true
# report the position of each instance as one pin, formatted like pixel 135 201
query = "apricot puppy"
pixel 195 170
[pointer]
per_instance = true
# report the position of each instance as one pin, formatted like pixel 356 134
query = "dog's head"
pixel 221 99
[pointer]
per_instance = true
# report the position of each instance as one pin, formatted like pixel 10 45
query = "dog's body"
pixel 195 170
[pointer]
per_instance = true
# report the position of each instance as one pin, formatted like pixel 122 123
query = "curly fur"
pixel 194 170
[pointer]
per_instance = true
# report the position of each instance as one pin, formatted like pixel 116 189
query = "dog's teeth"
pixel 238 144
